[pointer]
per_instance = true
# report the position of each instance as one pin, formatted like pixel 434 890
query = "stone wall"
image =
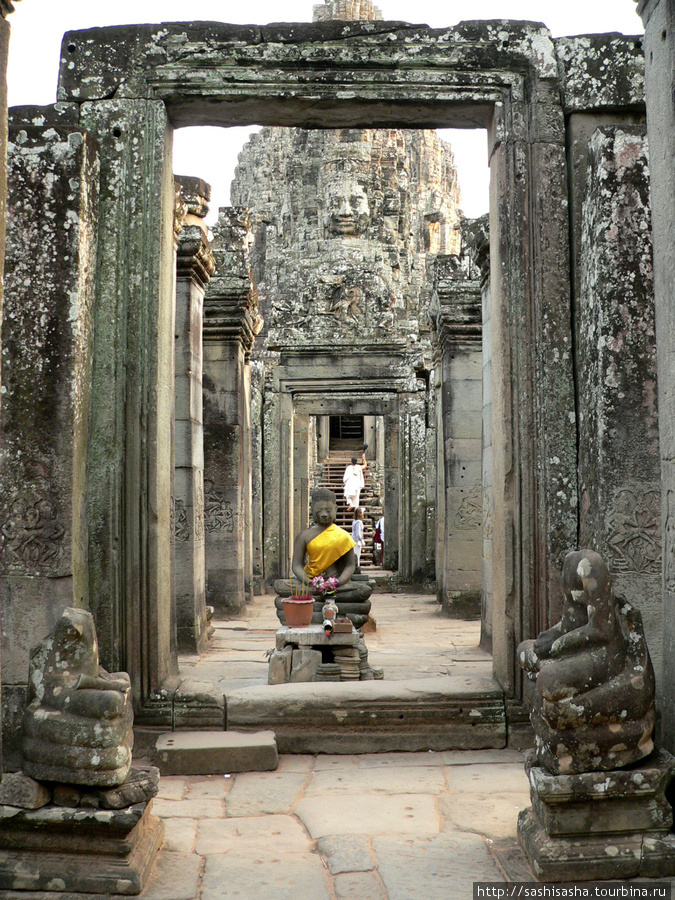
pixel 46 396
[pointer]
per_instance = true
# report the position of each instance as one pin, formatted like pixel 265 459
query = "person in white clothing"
pixel 354 481
pixel 357 536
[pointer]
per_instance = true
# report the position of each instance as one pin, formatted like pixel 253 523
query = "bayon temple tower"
pixel 347 226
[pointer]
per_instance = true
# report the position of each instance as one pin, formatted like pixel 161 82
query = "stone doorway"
pixel 346 433
pixel 129 88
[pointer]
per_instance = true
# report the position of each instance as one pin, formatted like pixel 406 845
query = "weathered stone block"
pixel 17 789
pixel 374 716
pixel 280 665
pixel 304 664
pixel 198 705
pixel 210 753
pixel 50 849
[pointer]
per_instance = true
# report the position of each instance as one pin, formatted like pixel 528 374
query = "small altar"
pixel 309 654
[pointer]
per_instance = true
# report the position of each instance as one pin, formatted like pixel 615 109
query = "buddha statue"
pixel 592 704
pixel 77 727
pixel 326 549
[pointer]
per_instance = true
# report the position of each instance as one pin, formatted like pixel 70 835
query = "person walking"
pixel 357 536
pixel 354 481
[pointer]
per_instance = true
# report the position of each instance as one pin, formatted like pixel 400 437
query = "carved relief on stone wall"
pixel 181 523
pixel 669 543
pixel 199 507
pixel 634 531
pixel 218 512
pixel 488 514
pixel 470 513
pixel 32 532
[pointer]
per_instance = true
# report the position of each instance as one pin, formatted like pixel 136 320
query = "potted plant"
pixel 299 607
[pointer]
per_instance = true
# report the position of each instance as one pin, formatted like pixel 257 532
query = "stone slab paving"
pixel 412 640
pixel 391 826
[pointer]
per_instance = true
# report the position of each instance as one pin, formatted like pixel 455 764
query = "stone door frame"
pixel 133 85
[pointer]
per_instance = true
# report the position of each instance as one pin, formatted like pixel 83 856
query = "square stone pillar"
pixel 659 46
pixel 230 323
pixel 194 266
pixel 619 464
pixel 130 463
pixel 47 354
pixel 458 325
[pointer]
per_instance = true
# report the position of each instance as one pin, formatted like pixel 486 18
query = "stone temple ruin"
pixel 169 400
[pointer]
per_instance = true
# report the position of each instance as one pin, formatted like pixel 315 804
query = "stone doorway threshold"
pixel 437 693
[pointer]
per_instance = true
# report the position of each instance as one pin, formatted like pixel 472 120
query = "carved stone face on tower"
pixel 346 208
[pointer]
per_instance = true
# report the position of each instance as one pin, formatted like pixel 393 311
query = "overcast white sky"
pixel 210 153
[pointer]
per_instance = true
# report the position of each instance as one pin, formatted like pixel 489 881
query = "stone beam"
pixel 212 73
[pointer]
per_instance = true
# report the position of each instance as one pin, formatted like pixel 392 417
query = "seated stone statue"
pixel 77 728
pixel 593 696
pixel 326 549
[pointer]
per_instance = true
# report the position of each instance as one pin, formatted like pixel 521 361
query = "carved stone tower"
pixel 347 10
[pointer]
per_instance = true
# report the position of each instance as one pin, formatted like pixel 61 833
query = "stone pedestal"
pixel 599 825
pixel 50 849
pixel 300 651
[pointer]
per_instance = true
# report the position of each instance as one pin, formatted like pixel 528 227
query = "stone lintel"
pixel 168 60
pixel 194 259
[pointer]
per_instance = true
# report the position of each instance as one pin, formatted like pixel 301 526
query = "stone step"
pixel 216 752
pixel 445 713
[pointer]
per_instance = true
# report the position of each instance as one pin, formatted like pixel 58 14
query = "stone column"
pixel 46 402
pixel 6 7
pixel 194 267
pixel 230 324
pixel 412 524
pixel 533 425
pixel 458 326
pixel 480 251
pixel 619 467
pixel 257 406
pixel 391 491
pixel 659 45
pixel 130 459
pixel 301 472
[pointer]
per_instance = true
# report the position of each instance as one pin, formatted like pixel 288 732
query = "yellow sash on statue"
pixel 327 547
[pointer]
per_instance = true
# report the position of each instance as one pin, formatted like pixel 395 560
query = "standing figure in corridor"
pixel 354 481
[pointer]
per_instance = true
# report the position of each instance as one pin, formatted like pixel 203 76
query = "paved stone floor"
pixel 412 640
pixel 392 826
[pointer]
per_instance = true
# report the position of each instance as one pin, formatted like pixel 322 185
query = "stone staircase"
pixel 332 471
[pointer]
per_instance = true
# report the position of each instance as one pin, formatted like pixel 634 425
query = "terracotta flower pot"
pixel 298 611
